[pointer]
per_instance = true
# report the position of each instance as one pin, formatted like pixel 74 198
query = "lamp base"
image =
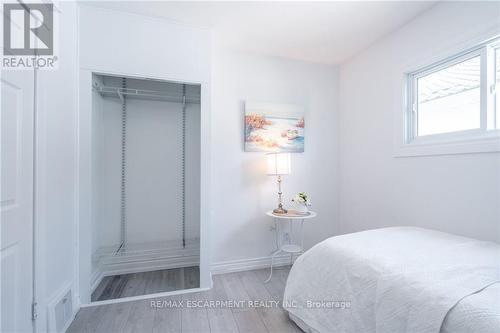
pixel 280 210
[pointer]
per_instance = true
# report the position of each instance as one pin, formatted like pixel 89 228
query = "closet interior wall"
pixel 146 175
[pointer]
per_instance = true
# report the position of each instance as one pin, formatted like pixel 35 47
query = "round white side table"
pixel 288 241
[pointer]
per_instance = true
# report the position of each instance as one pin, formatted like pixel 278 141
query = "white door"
pixel 16 198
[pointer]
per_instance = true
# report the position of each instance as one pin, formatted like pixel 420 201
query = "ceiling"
pixel 323 32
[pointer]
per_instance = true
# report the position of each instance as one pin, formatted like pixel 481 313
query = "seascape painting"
pixel 274 128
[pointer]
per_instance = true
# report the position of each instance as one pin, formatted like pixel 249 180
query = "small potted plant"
pixel 302 202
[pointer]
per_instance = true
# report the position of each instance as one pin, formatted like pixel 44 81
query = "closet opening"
pixel 145 187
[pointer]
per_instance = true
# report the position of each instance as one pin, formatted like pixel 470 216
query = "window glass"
pixel 449 99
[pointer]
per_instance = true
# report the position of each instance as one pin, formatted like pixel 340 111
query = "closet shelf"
pixel 148 94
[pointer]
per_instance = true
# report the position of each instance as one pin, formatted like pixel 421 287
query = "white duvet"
pixel 400 279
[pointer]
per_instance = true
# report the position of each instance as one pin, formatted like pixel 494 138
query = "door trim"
pixel 84 181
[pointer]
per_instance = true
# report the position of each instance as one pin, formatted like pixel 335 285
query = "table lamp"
pixel 278 164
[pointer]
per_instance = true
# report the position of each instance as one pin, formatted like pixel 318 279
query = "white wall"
pixel 120 42
pixel 242 192
pixel 454 193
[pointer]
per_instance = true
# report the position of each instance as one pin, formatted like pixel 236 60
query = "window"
pixel 448 100
pixel 455 99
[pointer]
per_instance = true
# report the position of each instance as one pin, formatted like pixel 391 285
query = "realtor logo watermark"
pixel 29 38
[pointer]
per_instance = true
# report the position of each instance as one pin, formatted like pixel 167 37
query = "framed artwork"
pixel 274 127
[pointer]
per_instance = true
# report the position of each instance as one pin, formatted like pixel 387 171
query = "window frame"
pixel 486 131
pixel 494 89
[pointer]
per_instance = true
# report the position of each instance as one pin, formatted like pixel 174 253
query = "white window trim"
pixel 493 89
pixel 461 142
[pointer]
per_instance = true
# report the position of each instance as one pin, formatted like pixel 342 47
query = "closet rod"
pixel 149 93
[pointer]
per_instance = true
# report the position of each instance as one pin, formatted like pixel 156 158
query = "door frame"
pixel 39 221
pixel 84 186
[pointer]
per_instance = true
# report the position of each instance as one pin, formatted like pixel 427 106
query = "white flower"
pixel 302 198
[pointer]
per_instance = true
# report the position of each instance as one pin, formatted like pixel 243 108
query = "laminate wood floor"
pixel 185 313
pixel 135 284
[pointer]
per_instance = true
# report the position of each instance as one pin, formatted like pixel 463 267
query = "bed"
pixel 400 279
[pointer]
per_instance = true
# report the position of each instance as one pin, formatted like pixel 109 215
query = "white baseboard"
pixel 144 266
pixel 249 264
pixel 95 279
pixel 76 308
pixel 153 263
pixel 138 259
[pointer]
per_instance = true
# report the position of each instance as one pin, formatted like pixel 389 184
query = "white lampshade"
pixel 278 164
